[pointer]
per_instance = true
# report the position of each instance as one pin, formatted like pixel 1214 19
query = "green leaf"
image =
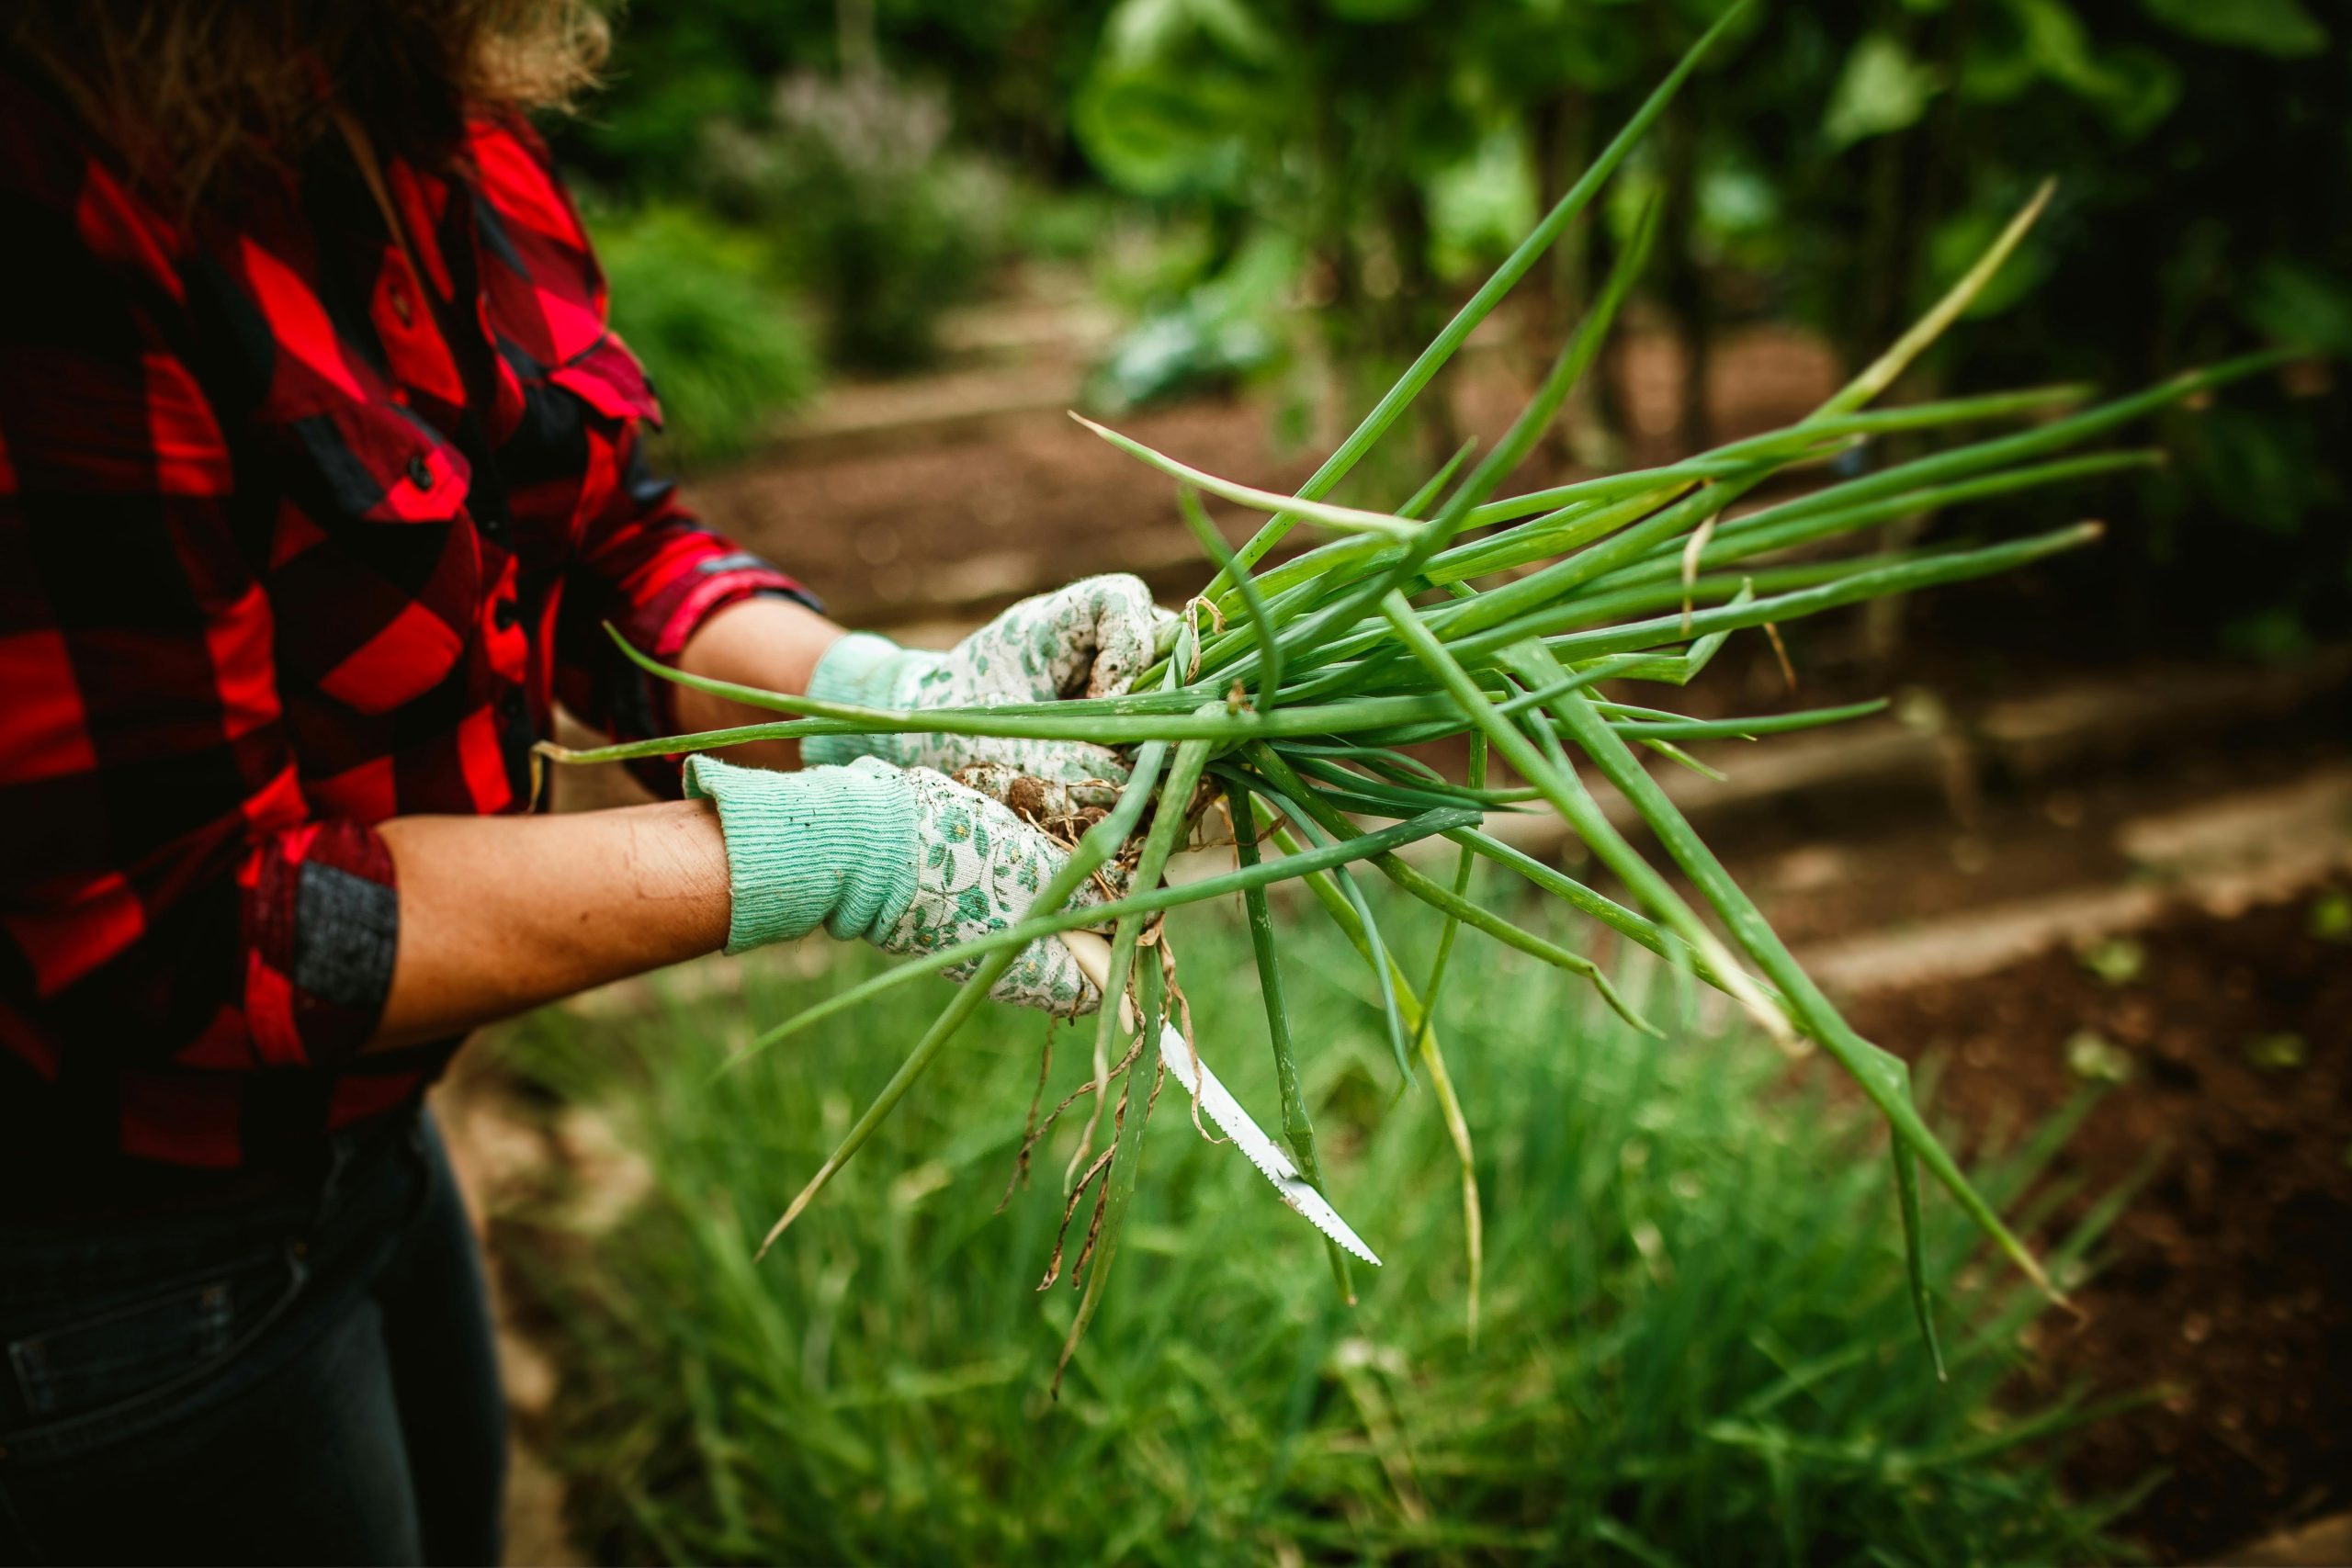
pixel 1480 205
pixel 2279 28
pixel 1915 1254
pixel 1298 1126
pixel 2117 959
pixel 2330 917
pixel 1177 92
pixel 1156 30
pixel 1160 130
pixel 1374 10
pixel 2291 299
pixel 1882 89
pixel 2134 89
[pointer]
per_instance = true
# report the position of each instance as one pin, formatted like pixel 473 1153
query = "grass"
pixel 1693 1346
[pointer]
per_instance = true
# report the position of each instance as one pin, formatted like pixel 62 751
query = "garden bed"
pixel 2222 1286
pixel 2228 1282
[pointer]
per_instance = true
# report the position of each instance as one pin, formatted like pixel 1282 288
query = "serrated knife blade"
pixel 1263 1152
pixel 1093 956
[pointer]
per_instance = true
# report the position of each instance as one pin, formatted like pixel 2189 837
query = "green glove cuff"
pixel 865 671
pixel 831 846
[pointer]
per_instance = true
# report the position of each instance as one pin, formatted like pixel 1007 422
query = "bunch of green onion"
pixel 1292 689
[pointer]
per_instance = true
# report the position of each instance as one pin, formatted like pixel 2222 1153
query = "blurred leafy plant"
pixel 2205 203
pixel 1009 68
pixel 2331 916
pixel 862 142
pixel 852 180
pixel 1841 162
pixel 2117 960
pixel 1220 332
pixel 727 352
pixel 1386 142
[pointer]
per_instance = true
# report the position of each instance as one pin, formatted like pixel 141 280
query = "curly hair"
pixel 188 89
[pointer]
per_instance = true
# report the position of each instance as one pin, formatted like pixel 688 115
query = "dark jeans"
pixel 304 1378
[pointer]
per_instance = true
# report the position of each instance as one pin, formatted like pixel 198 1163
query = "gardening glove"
pixel 1090 639
pixel 903 857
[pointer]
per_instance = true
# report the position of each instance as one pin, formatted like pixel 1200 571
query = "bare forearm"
pixel 499 914
pixel 773 644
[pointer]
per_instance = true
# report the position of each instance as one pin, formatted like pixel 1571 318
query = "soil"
pixel 2227 1284
pixel 1828 863
pixel 883 536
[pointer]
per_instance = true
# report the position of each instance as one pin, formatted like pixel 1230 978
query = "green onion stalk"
pixel 1293 686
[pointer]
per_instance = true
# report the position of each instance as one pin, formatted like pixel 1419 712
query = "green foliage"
pixel 1385 142
pixel 1696 1345
pixel 1882 89
pixel 2282 28
pixel 2331 916
pixel 2203 206
pixel 1839 162
pixel 1227 329
pixel 851 180
pixel 2117 959
pixel 824 134
pixel 725 350
pixel 1009 68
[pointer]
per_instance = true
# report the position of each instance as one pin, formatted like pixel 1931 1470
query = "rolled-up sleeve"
pixel 648 568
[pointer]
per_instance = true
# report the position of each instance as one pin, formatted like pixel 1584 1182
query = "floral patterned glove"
pixel 1090 639
pixel 903 857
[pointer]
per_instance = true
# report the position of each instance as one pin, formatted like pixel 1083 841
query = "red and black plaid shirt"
pixel 253 602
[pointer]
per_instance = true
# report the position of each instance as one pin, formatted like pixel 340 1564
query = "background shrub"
pixel 725 351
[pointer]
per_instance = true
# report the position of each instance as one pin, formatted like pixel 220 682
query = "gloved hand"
pixel 1092 638
pixel 905 858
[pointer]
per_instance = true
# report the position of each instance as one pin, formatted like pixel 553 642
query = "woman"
pixel 320 476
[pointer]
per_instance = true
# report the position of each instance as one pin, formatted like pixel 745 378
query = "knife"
pixel 1093 956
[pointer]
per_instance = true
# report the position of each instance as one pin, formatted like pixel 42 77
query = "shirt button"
pixel 420 473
